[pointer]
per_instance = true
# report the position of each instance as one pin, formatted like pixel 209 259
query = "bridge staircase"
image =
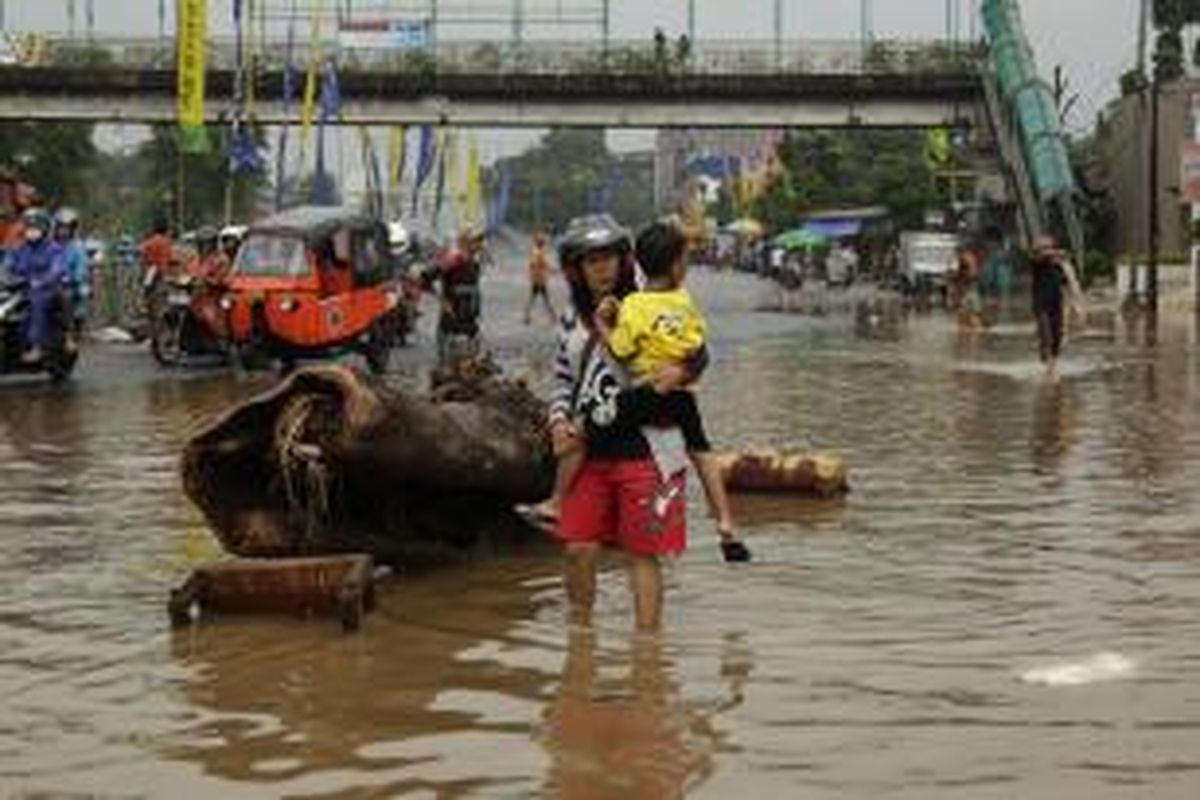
pixel 1024 119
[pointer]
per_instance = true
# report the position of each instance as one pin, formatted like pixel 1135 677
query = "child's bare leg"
pixel 713 482
pixel 569 464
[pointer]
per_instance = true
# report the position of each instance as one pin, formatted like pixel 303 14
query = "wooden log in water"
pixel 339 586
pixel 818 475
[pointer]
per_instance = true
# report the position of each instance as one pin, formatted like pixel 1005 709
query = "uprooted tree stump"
pixel 331 461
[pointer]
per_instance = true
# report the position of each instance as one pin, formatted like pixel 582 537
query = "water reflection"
pixel 625 730
pixel 1055 412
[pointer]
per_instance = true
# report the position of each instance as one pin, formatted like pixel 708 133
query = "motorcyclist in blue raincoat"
pixel 40 271
pixel 66 234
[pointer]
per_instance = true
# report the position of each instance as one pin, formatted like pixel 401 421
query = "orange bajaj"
pixel 315 282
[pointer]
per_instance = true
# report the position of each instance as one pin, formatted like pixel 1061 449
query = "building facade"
pixel 1124 145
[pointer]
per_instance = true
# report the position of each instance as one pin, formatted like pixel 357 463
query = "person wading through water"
pixel 617 497
pixel 1051 268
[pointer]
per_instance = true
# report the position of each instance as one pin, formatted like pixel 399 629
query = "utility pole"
pixel 1153 232
pixel 1143 36
pixel 162 21
pixel 71 18
pixel 605 27
pixel 778 33
pixel 3 22
pixel 692 21
pixel 91 19
pixel 865 26
pixel 1194 217
pixel 433 27
pixel 518 23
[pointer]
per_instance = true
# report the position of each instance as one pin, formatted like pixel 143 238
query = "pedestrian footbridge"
pixel 742 84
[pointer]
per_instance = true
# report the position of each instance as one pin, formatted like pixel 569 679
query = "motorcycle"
pixel 58 360
pixel 177 328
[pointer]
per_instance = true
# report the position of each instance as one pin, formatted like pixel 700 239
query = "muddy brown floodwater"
pixel 1006 606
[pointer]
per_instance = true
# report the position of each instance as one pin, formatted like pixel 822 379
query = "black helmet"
pixel 590 233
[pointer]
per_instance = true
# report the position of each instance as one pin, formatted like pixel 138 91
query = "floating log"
pixel 769 471
pixel 341 586
pixel 332 461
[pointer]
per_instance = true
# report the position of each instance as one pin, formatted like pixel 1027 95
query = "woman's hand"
pixel 564 437
pixel 670 377
pixel 607 312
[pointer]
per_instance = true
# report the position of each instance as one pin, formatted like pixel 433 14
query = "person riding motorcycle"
pixel 66 234
pixel 210 264
pixel 231 241
pixel 458 270
pixel 39 269
pixel 209 268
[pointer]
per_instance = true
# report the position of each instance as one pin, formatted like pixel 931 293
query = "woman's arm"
pixel 563 385
pixel 1072 277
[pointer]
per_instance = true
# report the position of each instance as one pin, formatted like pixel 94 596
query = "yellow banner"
pixel 397 154
pixel 310 83
pixel 454 187
pixel 192 46
pixel 474 189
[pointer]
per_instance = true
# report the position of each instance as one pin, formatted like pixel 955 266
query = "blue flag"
pixel 440 192
pixel 426 160
pixel 498 208
pixel 243 153
pixel 331 93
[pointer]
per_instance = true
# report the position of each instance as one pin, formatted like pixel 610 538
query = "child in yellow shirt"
pixel 655 328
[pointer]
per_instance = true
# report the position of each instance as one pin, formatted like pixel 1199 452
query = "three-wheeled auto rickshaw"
pixel 314 282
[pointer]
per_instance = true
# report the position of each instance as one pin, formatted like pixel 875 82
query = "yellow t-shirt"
pixel 656 328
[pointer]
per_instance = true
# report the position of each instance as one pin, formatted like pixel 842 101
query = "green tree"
pixel 564 174
pixel 56 158
pixel 1169 17
pixel 823 169
pixel 203 177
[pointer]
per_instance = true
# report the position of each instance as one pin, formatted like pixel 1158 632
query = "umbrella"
pixel 745 227
pixel 799 239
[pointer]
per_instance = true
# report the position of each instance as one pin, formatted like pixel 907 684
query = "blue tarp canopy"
pixel 718 167
pixel 834 228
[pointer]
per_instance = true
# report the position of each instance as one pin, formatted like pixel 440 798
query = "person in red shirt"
pixel 458 271
pixel 157 250
pixel 210 268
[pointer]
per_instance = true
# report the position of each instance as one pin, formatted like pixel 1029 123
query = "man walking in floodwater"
pixel 1050 268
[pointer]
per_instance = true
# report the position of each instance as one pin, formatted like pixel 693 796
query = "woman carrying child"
pixel 617 488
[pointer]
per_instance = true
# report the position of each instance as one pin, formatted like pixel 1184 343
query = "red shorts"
pixel 625 504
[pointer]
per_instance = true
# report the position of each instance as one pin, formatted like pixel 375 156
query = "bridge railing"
pixel 731 57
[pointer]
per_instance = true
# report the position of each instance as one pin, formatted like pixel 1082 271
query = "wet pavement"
pixel 1004 607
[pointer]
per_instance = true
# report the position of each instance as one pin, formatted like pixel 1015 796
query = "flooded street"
pixel 1005 606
